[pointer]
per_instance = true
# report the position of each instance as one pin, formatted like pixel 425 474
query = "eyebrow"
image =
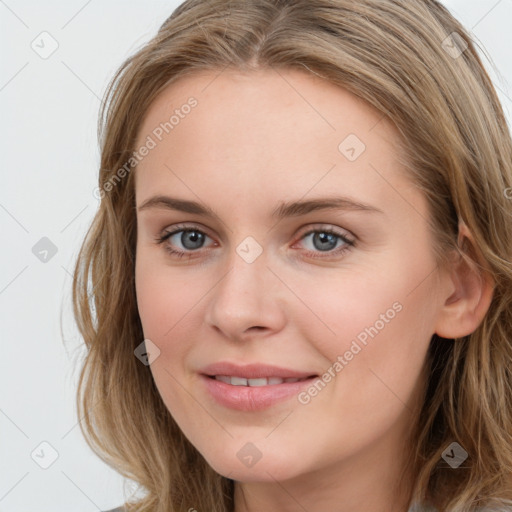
pixel 285 209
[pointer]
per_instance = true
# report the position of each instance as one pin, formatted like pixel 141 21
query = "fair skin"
pixel 253 141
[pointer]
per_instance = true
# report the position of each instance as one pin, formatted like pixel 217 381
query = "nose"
pixel 247 301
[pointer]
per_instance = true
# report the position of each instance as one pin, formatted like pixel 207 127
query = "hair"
pixel 457 147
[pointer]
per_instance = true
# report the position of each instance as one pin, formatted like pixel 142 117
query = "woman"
pixel 300 265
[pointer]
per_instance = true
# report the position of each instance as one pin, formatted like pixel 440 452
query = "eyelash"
pixel 349 244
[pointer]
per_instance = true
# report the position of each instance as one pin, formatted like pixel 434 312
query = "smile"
pixel 241 381
pixel 252 394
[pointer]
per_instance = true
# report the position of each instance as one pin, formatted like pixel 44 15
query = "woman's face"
pixel 308 255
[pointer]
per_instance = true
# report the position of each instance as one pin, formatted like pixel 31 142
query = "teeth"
pixel 257 382
pixel 240 381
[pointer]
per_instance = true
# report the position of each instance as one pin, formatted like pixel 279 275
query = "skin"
pixel 253 141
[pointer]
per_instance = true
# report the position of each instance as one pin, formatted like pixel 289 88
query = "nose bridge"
pixel 247 294
pixel 244 286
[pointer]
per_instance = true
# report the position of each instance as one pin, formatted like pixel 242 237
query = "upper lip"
pixel 253 371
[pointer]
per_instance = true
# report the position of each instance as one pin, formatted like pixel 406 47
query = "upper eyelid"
pixel 329 228
pixel 179 228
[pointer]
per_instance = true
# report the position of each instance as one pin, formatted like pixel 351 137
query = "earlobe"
pixel 471 288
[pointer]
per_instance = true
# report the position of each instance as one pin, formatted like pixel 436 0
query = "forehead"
pixel 285 96
pixel 284 130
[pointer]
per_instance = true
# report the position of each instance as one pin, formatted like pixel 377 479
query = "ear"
pixel 470 292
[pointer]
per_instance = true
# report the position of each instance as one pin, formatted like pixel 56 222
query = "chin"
pixel 267 469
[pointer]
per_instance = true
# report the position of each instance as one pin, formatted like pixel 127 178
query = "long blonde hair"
pixel 418 66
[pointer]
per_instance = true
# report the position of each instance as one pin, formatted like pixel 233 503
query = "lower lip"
pixel 249 398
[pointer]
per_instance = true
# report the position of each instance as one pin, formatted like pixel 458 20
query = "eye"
pixel 190 238
pixel 322 240
pixel 328 241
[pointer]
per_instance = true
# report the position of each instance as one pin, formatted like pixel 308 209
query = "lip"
pixel 253 371
pixel 248 398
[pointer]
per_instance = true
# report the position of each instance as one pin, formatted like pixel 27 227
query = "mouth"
pixel 253 387
pixel 258 382
pixel 250 395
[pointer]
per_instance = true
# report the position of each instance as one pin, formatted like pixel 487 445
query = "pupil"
pixel 192 236
pixel 328 238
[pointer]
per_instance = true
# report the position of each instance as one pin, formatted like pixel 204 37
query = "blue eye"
pixel 326 241
pixel 191 239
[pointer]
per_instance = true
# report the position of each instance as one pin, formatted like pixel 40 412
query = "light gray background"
pixel 49 164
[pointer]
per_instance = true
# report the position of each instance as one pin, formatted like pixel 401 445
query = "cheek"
pixel 169 302
pixel 376 356
pixel 163 304
pixel 380 320
pixel 367 304
pixel 165 298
